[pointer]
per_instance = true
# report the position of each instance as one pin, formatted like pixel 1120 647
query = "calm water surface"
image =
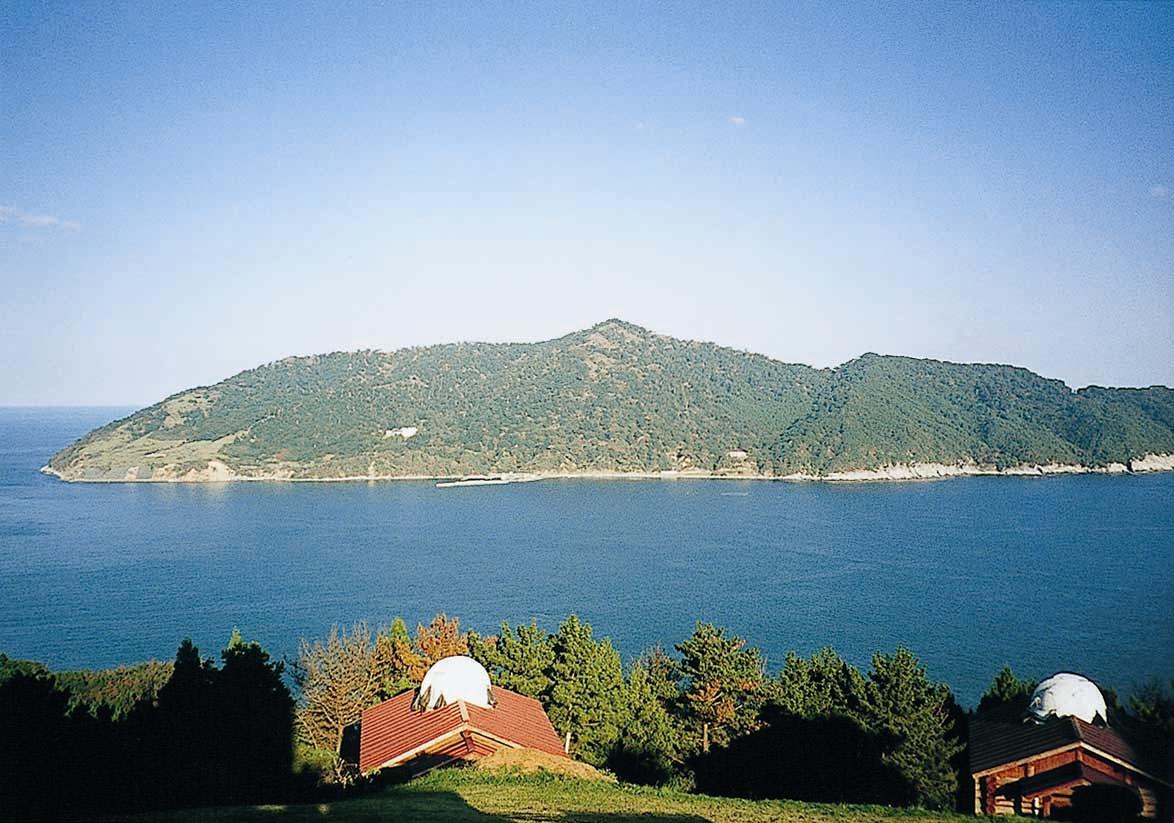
pixel 1044 574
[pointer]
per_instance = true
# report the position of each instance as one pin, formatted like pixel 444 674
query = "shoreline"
pixel 221 473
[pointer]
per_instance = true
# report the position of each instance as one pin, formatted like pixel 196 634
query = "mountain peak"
pixel 616 324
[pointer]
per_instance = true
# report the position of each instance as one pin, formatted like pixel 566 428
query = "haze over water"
pixel 1068 573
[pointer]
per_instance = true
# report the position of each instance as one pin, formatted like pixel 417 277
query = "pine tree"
pixel 35 734
pixel 1008 691
pixel 904 706
pixel 1151 716
pixel 518 659
pixel 664 675
pixel 649 744
pixel 256 722
pixel 396 658
pixel 723 684
pixel 585 698
pixel 823 686
pixel 1152 707
pixel 182 738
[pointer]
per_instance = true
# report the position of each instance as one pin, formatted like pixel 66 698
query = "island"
pixel 617 400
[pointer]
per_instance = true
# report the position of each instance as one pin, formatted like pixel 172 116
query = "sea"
pixel 1044 574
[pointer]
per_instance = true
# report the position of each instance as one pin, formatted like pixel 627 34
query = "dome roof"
pixel 451 679
pixel 1067 695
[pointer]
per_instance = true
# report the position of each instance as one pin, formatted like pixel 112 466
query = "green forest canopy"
pixel 618 398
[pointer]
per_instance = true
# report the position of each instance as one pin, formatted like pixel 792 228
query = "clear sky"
pixel 191 190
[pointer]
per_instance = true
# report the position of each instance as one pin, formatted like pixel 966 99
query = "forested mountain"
pixel 615 398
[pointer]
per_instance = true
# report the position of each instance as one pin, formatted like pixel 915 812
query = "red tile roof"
pixel 392 732
pixel 518 719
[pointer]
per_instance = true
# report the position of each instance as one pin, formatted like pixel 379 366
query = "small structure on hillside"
pixel 452 679
pixel 1068 695
pixel 1032 765
pixel 455 715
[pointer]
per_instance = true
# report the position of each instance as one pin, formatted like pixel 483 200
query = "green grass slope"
pixel 465 796
pixel 614 398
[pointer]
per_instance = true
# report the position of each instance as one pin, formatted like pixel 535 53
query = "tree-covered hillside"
pixel 615 398
pixel 878 411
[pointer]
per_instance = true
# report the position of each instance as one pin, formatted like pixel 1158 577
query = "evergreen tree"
pixel 823 686
pixel 397 661
pixel 1152 706
pixel 118 690
pixel 256 719
pixel 663 674
pixel 10 667
pixel 914 714
pixel 723 684
pixel 1007 693
pixel 1150 717
pixel 518 659
pixel 182 737
pixel 34 734
pixel 649 745
pixel 585 698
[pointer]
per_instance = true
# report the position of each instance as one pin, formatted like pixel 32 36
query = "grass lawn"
pixel 472 797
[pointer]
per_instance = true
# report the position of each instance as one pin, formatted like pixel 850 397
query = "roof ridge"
pixel 391 730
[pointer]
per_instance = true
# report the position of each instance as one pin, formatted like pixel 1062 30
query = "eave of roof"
pixel 1058 778
pixel 392 733
pixel 997 745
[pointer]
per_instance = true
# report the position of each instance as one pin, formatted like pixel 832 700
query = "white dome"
pixel 451 679
pixel 1067 695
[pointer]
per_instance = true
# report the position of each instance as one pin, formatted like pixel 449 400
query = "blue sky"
pixel 187 191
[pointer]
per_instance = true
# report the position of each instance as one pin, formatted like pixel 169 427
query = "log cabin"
pixel 455 716
pixel 1031 766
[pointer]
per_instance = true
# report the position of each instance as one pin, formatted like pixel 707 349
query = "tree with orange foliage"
pixel 439 639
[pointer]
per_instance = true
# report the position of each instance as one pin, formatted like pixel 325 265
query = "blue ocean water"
pixel 1072 573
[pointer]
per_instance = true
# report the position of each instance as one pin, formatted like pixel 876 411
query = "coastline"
pixel 218 472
